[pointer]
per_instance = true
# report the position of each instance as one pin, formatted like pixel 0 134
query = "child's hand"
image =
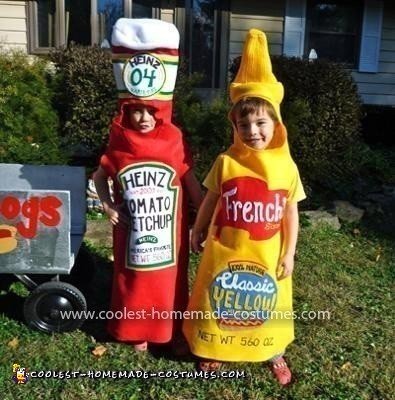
pixel 116 215
pixel 197 238
pixel 285 267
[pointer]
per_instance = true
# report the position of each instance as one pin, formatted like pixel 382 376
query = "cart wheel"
pixel 43 307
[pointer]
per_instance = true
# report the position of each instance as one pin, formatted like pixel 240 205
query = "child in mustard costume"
pixel 243 288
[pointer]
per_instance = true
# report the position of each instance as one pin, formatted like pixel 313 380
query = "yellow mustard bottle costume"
pixel 239 311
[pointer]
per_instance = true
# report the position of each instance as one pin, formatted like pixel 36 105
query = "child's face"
pixel 142 118
pixel 256 130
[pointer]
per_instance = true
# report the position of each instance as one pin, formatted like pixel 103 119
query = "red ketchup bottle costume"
pixel 151 254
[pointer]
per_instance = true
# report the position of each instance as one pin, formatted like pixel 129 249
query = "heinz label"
pixel 152 203
pixel 144 75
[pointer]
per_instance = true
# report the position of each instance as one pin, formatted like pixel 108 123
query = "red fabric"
pixel 158 50
pixel 164 289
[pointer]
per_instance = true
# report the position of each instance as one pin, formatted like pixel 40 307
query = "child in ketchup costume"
pixel 151 168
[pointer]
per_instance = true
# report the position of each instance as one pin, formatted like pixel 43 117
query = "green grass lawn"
pixel 348 357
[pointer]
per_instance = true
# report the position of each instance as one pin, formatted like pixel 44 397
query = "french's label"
pixel 248 204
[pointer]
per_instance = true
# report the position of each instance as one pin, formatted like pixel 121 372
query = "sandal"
pixel 209 365
pixel 281 371
pixel 142 346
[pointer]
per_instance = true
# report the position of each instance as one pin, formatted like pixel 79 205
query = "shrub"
pixel 205 124
pixel 86 96
pixel 322 112
pixel 28 122
pixel 377 125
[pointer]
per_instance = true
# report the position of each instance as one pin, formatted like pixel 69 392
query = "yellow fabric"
pixel 233 252
pixel 255 77
pixel 236 289
pixel 276 177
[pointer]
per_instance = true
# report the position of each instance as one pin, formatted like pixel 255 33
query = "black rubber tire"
pixel 43 306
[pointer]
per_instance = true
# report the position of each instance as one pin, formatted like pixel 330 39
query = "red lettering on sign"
pixel 32 211
pixel 49 205
pixel 247 203
pixel 10 207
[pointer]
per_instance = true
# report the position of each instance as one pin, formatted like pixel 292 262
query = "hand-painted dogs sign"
pixel 34 231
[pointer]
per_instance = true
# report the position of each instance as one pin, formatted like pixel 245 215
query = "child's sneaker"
pixel 281 371
pixel 140 346
pixel 209 365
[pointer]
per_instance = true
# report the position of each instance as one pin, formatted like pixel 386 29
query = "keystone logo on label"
pixel 146 239
pixel 144 75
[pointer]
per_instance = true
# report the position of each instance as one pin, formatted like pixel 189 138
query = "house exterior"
pixel 359 33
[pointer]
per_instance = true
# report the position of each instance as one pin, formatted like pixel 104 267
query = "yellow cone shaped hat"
pixel 255 77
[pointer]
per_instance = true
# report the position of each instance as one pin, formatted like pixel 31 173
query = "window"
pixel 110 10
pixel 203 47
pixel 42 17
pixel 143 8
pixel 333 30
pixel 77 29
pixel 55 23
pixel 46 23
